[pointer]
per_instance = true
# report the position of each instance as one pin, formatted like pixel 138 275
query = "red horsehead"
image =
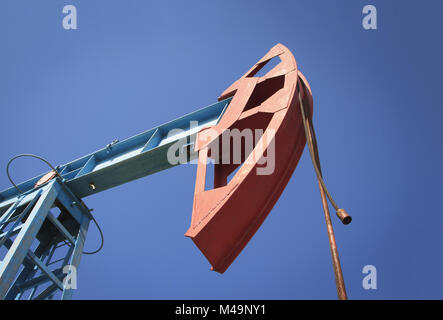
pixel 226 217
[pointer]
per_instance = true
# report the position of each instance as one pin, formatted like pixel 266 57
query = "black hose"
pixel 58 174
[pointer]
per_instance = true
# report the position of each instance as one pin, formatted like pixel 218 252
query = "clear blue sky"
pixel 132 65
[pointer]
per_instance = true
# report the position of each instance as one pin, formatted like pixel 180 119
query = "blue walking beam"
pixel 127 160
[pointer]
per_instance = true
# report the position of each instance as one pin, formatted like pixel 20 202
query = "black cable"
pixel 32 156
pixel 102 238
pixel 58 174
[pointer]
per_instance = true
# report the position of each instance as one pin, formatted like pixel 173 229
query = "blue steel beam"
pixel 61 228
pixel 76 256
pixel 38 203
pixel 20 247
pixel 28 271
pixel 15 228
pixel 127 160
pixel 35 281
pixel 45 270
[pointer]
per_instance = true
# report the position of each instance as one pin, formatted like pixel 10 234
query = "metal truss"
pixel 42 237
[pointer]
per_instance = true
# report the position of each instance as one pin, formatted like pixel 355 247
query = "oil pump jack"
pixel 45 217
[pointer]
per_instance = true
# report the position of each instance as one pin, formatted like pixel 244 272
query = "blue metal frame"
pixel 32 221
pixel 25 211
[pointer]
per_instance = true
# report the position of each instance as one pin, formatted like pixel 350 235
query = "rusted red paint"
pixel 47 177
pixel 225 218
